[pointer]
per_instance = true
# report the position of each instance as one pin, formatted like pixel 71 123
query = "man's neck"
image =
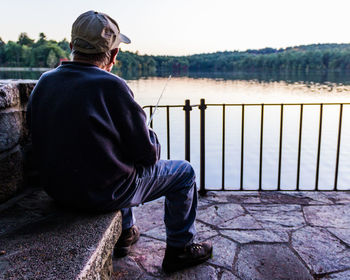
pixel 86 62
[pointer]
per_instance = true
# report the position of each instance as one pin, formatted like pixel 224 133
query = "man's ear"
pixel 114 55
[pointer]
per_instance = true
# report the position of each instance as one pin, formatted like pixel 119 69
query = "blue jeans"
pixel 174 179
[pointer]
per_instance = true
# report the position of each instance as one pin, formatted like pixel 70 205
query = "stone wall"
pixel 61 244
pixel 13 135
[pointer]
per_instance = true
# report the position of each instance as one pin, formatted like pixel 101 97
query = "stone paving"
pixel 266 235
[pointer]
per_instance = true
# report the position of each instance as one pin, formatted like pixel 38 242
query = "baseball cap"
pixel 94 32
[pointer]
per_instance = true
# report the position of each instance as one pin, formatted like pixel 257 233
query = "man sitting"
pixel 95 152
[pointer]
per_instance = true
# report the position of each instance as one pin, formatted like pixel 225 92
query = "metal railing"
pixel 187 107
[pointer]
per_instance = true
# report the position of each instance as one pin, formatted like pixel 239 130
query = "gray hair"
pixel 100 59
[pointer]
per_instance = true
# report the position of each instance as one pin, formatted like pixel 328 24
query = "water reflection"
pixel 20 75
pixel 334 78
pixel 241 91
pixel 147 91
pixel 337 78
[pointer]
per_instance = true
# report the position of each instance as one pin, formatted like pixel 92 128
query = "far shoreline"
pixel 38 69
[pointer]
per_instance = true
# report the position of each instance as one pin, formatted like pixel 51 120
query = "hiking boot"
pixel 127 238
pixel 179 258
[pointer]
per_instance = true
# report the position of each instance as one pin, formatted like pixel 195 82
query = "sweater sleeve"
pixel 140 143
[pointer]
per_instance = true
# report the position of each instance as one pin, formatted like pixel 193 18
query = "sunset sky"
pixel 189 26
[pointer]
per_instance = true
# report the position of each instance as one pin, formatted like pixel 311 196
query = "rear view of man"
pixel 95 152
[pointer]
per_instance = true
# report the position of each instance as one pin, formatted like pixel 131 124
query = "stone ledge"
pixel 11 173
pixel 13 93
pixel 13 135
pixel 40 241
pixel 11 130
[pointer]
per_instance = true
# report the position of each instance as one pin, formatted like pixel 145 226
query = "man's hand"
pixel 155 141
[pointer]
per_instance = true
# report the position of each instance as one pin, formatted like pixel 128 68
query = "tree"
pixel 24 40
pixel 42 39
pixel 2 51
pixel 26 56
pixel 64 45
pixel 51 59
pixel 13 54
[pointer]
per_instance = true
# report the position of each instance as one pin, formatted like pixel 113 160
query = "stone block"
pixel 323 253
pixel 233 197
pixel 199 272
pixel 149 253
pixel 9 95
pixel 341 233
pixel 274 197
pixel 43 241
pixel 156 209
pixel 224 251
pixel 328 216
pixel 25 89
pixel 250 236
pixel 272 261
pixel 10 130
pixel 221 213
pixel 15 93
pixel 11 174
pixel 278 216
pixel 241 222
pixel 126 268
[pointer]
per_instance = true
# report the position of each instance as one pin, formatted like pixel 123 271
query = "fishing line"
pixel 160 97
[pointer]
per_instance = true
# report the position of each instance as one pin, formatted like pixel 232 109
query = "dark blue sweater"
pixel 89 135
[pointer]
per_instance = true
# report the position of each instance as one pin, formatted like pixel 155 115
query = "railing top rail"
pixel 164 106
pixel 251 104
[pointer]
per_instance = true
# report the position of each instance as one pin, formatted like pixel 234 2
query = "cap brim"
pixel 124 39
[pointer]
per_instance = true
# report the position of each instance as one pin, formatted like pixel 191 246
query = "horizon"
pixel 212 52
pixel 186 27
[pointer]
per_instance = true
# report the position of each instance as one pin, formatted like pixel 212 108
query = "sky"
pixel 183 27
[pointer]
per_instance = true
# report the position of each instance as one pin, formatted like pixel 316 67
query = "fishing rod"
pixel 160 97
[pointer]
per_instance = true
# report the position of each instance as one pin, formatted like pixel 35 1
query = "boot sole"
pixel 177 267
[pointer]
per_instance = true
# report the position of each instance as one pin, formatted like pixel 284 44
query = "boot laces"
pixel 195 247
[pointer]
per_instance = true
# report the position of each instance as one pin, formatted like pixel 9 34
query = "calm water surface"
pixel 254 90
pixel 147 92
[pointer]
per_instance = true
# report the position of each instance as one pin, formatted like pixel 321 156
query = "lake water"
pixel 255 89
pixel 217 90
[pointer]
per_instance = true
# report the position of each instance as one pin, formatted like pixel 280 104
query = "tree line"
pixel 319 57
pixel 27 52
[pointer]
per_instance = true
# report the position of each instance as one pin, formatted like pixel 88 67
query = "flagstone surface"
pixel 255 235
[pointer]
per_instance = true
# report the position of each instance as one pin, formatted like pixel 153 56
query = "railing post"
pixel 187 108
pixel 223 148
pixel 150 116
pixel 168 131
pixel 299 144
pixel 261 145
pixel 202 108
pixel 242 149
pixel 319 148
pixel 338 148
pixel 280 151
